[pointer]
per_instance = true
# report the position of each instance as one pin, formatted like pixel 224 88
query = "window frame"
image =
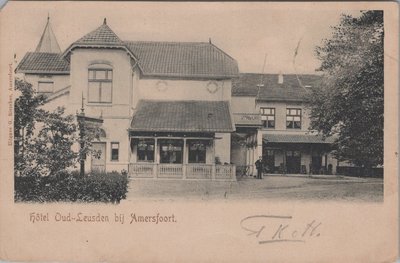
pixel 173 147
pixel 293 116
pixel 147 151
pixel 265 122
pixel 112 155
pixel 197 152
pixel 91 78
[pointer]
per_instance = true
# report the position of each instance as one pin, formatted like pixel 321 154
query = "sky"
pixel 246 31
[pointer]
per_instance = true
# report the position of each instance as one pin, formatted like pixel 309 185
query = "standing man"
pixel 259 166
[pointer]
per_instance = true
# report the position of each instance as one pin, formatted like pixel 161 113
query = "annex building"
pixel 177 109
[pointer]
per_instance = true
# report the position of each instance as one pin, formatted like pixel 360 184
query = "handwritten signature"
pixel 274 228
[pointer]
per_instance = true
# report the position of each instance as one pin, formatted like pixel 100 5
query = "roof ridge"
pixel 93 33
pixel 159 100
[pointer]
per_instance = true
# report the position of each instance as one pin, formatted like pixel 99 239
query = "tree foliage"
pixel 44 140
pixel 349 101
pixel 26 115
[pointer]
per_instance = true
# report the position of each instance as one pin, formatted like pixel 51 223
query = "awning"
pixel 182 116
pixel 296 138
pixel 247 119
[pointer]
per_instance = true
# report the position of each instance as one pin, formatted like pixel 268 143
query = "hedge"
pixel 70 187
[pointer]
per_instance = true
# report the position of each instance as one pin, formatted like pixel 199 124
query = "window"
pixel 114 151
pixel 145 150
pixel 197 151
pixel 293 118
pixel 268 117
pixel 100 85
pixel 171 151
pixel 45 87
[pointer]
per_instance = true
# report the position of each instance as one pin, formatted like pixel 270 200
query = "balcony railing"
pixel 225 172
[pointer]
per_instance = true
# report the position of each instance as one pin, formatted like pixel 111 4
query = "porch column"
pixel 184 167
pixel 213 169
pixel 259 143
pixel 155 166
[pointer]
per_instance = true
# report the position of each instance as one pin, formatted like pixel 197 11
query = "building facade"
pixel 177 109
pixel 272 121
pixel 164 106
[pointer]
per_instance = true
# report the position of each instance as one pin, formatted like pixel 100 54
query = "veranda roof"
pixel 296 138
pixel 182 116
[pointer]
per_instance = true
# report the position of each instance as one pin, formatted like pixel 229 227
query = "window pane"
pixel 100 74
pixel 289 124
pixel 197 152
pixel 296 118
pixel 109 74
pixel 94 92
pixel 297 125
pixel 292 112
pixel 92 74
pixel 114 145
pixel 45 87
pixel 271 124
pixel 114 151
pixel 264 123
pixel 287 111
pixel 145 150
pixel 106 92
pixel 263 117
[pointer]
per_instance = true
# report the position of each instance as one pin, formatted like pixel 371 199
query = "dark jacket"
pixel 259 164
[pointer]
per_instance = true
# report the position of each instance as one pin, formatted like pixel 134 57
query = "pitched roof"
pixel 41 62
pixel 48 42
pixel 183 116
pixel 102 35
pixel 290 90
pixel 183 59
pixel 164 59
pixel 296 138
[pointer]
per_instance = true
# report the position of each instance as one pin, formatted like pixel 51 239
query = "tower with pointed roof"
pixel 48 42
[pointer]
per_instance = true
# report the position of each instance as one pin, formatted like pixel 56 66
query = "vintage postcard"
pixel 199 131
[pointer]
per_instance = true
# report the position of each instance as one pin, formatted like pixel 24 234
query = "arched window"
pixel 100 83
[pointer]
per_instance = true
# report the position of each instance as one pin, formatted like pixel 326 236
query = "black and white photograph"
pixel 236 124
pixel 115 115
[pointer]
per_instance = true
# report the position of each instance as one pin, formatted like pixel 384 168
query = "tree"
pixel 349 101
pixel 52 147
pixel 44 139
pixel 26 115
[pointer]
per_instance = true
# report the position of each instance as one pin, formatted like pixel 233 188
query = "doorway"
pixel 293 162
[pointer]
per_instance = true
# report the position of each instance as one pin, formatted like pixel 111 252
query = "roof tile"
pixel 183 116
pixel 41 62
pixel 103 35
pixel 247 85
pixel 183 59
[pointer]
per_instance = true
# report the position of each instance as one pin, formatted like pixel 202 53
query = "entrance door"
pixel 316 163
pixel 293 162
pixel 99 164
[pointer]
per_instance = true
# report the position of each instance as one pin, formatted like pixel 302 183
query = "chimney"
pixel 280 78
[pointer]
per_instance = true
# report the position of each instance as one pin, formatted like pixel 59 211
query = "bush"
pixel 70 187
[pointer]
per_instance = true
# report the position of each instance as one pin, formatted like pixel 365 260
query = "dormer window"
pixel 100 83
